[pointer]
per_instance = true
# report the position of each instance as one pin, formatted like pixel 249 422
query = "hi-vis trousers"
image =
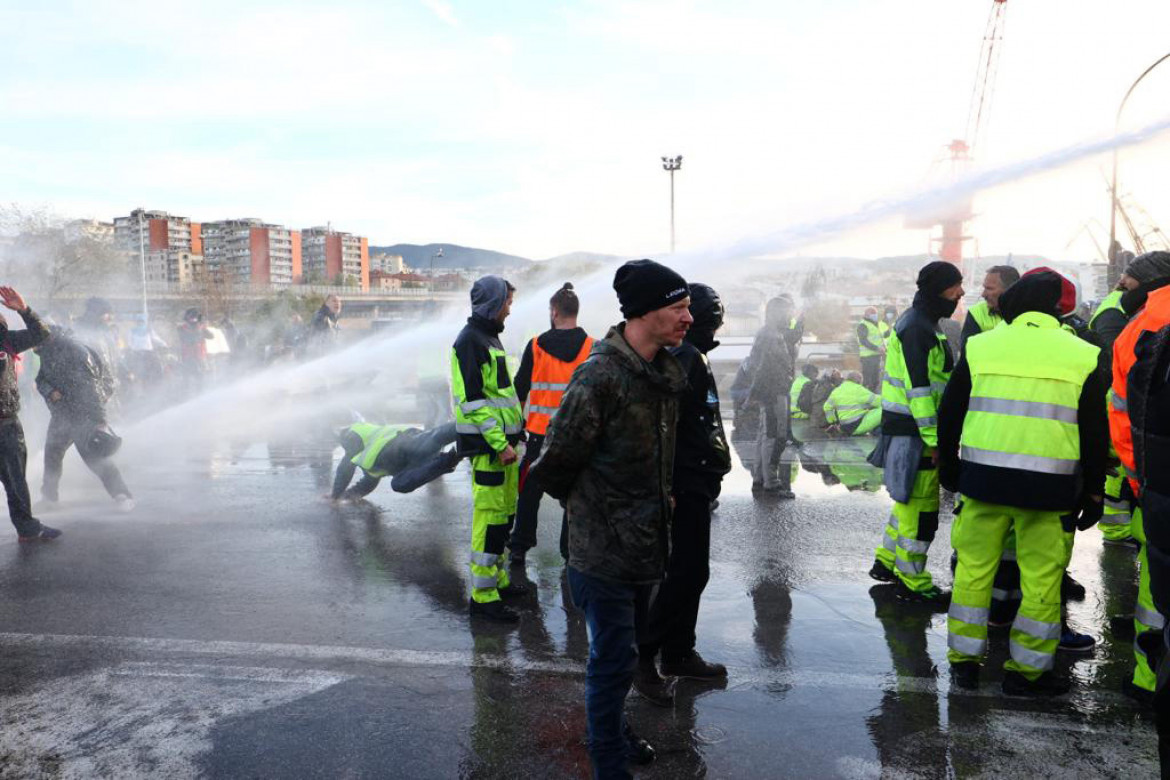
pixel 493 491
pixel 1042 552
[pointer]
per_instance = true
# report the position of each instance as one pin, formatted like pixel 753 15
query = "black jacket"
pixel 12 343
pixel 917 330
pixel 472 347
pixel 701 454
pixel 76 371
pixel 1012 487
pixel 564 344
pixel 1148 397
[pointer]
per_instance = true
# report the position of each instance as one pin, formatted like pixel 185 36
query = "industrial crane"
pixel 954 216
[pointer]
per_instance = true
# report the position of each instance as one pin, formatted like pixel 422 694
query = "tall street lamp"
pixel 142 260
pixel 436 254
pixel 670 165
pixel 1114 271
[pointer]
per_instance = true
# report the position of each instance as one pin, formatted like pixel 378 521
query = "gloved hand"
pixel 451 459
pixel 1089 512
pixel 948 474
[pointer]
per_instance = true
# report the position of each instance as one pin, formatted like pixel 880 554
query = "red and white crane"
pixel 959 152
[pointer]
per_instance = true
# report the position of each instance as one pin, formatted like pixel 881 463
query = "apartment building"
pixel 251 251
pixel 173 245
pixel 331 254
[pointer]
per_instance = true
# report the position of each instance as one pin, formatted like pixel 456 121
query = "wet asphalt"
pixel 237 625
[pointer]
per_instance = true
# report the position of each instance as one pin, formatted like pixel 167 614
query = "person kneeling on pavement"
pixel 851 409
pixel 409 455
pixel 1022 436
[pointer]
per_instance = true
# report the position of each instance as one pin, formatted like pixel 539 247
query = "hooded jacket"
pixel 608 455
pixel 76 371
pixel 472 352
pixel 702 455
pixel 12 343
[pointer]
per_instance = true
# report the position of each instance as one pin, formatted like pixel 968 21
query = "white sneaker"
pixel 125 503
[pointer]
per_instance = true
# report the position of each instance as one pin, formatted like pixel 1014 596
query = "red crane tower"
pixel 953 217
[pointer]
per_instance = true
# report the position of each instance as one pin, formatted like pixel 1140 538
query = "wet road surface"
pixel 237 625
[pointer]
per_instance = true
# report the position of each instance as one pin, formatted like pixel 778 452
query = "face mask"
pixel 947 308
pixel 871 317
pixel 889 316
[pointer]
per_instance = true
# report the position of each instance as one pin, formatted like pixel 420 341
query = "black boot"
pixel 1047 684
pixel 653 687
pixel 494 611
pixel 638 750
pixel 965 675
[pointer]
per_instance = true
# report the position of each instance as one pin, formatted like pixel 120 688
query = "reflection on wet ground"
pixel 249 628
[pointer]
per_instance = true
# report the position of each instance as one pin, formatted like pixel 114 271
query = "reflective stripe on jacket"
pixel 849 401
pixel 374 440
pixel 550 379
pixel 1152 317
pixel 873 332
pixel 1026 382
pixel 493 417
pixel 900 396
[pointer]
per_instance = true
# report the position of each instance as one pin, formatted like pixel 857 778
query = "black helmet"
pixel 706 307
pixel 103 442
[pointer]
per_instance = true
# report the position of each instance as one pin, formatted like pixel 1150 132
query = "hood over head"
pixel 488 295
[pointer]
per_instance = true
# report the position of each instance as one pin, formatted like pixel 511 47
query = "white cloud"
pixel 443 10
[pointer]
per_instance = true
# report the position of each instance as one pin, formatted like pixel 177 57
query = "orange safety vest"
pixel 550 377
pixel 1153 316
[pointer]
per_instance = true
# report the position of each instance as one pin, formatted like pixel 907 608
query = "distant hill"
pixel 577 258
pixel 454 256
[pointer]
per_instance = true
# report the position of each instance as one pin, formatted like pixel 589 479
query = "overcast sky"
pixel 536 127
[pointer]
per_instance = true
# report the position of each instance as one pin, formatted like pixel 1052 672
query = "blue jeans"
pixel 613 612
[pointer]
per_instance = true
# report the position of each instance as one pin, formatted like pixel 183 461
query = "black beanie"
pixel 644 285
pixel 1039 292
pixel 938 276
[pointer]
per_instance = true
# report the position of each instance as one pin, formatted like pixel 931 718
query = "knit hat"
pixel 643 286
pixel 1150 266
pixel 937 277
pixel 1042 290
pixel 1067 303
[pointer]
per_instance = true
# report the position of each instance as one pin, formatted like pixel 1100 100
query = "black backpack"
pixel 1148 401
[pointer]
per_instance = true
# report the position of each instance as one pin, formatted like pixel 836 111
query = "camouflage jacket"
pixel 608 456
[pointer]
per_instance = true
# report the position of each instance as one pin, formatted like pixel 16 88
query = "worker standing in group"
pixel 1148 405
pixel 1021 437
pixel 771 361
pixel 490 423
pixel 852 408
pixel 545 369
pixel 608 455
pixel 702 457
pixel 1146 271
pixel 918 364
pixel 871 347
pixel 1147 306
pixel 985 315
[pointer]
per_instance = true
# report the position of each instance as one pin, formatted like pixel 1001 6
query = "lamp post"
pixel 670 165
pixel 142 259
pixel 436 254
pixel 1114 272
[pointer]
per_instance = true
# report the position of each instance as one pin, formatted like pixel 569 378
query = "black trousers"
pixel 13 460
pixel 528 504
pixel 675 610
pixel 65 432
pixel 871 367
